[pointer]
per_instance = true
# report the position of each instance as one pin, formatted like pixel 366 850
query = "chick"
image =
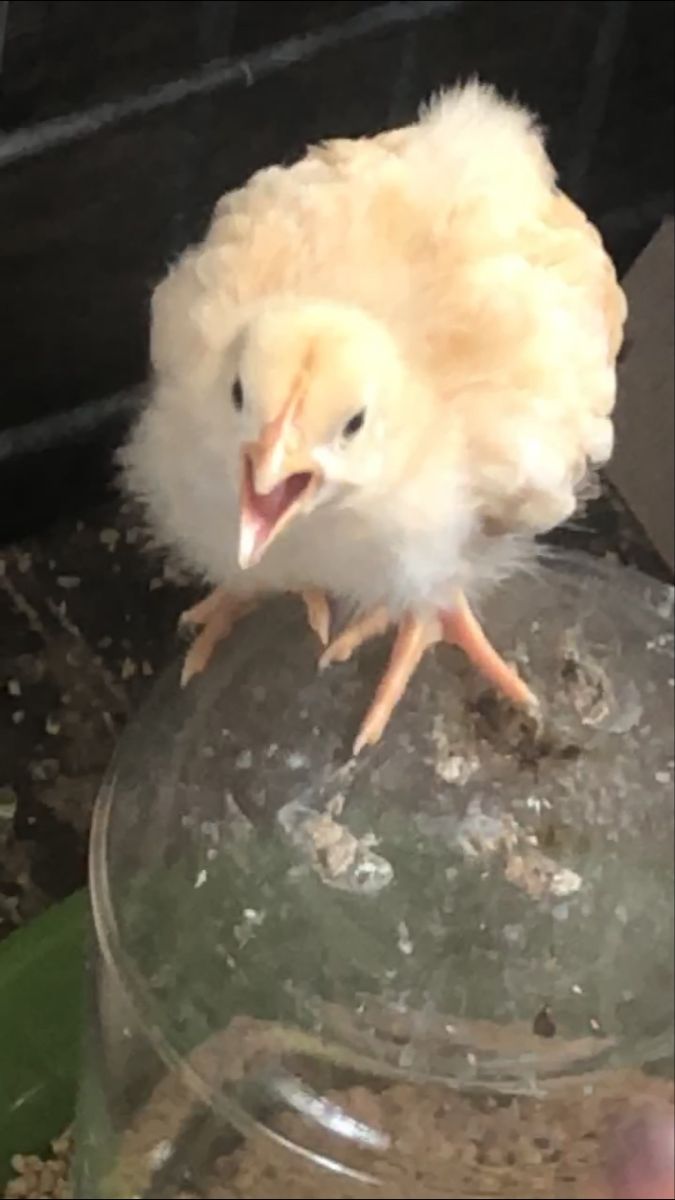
pixel 384 371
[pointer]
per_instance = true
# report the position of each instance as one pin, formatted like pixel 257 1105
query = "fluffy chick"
pixel 384 369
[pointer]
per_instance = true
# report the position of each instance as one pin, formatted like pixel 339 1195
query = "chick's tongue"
pixel 268 508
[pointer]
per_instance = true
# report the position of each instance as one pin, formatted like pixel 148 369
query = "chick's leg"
pixel 318 613
pixel 215 616
pixel 354 635
pixel 203 610
pixel 460 628
pixel 218 613
pixel 414 636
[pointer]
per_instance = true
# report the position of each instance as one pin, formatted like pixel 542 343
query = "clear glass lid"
pixel 483 902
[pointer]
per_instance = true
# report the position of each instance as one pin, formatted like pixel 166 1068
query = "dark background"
pixel 122 122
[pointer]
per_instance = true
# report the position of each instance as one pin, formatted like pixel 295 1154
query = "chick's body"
pixel 437 275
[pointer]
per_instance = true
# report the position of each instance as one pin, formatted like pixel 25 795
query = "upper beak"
pixel 278 477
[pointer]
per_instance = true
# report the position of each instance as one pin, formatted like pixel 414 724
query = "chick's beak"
pixel 278 479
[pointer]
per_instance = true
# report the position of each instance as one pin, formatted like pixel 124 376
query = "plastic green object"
pixel 41 994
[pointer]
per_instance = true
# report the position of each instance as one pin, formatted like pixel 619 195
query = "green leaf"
pixel 41 977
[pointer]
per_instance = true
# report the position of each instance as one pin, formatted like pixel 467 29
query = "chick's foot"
pixel 457 627
pixel 218 613
pixel 414 635
pixel 354 635
pixel 215 616
pixel 460 628
pixel 318 613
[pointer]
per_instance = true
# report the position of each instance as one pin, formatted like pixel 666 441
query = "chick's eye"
pixel 354 424
pixel 237 395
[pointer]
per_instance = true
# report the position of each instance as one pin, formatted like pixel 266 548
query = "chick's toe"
pixel 367 625
pixel 216 614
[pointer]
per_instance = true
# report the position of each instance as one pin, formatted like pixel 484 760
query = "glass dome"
pixel 438 970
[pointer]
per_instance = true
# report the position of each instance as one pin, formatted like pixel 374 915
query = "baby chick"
pixel 384 370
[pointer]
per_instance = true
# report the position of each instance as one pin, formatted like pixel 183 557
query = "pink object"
pixel 641 1159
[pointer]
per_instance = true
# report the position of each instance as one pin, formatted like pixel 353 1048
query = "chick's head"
pixel 318 392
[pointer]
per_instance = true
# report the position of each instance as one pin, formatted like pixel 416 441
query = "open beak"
pixel 275 486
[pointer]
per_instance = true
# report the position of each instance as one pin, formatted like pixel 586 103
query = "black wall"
pixel 121 123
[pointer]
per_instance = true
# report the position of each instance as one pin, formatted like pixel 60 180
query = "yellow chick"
pixel 384 369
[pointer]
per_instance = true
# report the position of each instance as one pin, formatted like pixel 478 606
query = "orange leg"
pixel 218 613
pixel 460 628
pixel 215 616
pixel 343 646
pixel 318 614
pixel 413 637
pixel 202 612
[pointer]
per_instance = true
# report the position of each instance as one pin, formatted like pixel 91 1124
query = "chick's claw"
pixel 318 614
pixel 201 612
pixel 457 627
pixel 354 635
pixel 413 637
pixel 460 628
pixel 216 616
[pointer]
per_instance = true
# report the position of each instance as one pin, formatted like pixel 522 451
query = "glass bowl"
pixel 443 969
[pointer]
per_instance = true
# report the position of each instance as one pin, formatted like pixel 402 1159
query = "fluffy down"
pixel 434 273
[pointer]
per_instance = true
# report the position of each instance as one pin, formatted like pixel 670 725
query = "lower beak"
pixel 263 515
